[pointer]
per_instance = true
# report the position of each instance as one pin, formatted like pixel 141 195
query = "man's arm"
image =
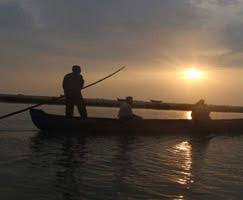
pixel 81 82
pixel 64 82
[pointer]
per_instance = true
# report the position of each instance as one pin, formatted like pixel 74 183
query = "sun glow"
pixel 193 74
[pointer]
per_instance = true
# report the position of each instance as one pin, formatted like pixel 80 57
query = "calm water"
pixel 33 166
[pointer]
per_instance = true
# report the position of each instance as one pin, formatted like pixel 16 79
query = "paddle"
pixel 57 98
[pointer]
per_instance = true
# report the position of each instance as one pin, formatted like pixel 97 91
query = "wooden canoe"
pixel 58 123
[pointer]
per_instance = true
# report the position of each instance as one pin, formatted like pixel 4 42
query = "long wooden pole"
pixel 62 96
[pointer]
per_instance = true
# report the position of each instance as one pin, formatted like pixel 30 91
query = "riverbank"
pixel 50 100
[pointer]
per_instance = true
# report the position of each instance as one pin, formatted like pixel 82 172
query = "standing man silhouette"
pixel 72 85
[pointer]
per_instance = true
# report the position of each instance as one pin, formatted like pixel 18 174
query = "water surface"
pixel 36 166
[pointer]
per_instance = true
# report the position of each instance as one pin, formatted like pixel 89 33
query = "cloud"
pixel 123 30
pixel 13 17
pixel 158 32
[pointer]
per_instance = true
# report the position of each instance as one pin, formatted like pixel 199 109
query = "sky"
pixel 157 41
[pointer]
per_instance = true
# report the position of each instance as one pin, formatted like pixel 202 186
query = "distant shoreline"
pixel 28 99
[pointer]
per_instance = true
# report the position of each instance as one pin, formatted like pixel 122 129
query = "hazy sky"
pixel 156 39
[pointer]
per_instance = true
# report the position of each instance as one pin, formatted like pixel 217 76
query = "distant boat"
pixel 62 124
pixel 156 101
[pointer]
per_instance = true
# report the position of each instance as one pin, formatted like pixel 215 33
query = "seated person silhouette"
pixel 125 111
pixel 200 112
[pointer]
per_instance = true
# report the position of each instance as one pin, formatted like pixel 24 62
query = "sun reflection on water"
pixel 179 198
pixel 188 115
pixel 183 153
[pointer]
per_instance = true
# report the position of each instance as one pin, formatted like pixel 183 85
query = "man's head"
pixel 129 100
pixel 201 102
pixel 76 69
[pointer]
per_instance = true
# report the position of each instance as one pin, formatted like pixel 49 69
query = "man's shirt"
pixel 72 84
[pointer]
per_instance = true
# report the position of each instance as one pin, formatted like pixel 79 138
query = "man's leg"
pixel 137 117
pixel 82 109
pixel 69 109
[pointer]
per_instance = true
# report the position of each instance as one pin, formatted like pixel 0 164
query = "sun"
pixel 193 74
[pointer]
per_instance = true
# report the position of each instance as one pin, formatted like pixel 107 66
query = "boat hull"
pixel 49 122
